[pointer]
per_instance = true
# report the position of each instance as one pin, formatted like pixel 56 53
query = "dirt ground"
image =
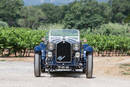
pixel 103 66
pixel 19 72
pixel 111 66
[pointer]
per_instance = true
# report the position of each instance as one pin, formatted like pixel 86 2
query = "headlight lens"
pixel 50 46
pixel 77 54
pixel 49 54
pixel 76 47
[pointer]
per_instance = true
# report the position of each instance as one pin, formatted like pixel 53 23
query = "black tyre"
pixel 84 70
pixel 89 66
pixel 43 70
pixel 37 65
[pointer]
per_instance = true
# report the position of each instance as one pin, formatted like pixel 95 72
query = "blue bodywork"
pixel 75 63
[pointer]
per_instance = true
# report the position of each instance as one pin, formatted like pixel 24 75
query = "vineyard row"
pixel 20 42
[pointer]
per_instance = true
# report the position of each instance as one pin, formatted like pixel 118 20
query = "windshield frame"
pixel 77 36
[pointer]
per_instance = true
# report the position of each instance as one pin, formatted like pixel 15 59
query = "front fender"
pixel 87 48
pixel 39 48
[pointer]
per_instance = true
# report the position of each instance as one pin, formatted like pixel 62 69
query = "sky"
pixel 57 2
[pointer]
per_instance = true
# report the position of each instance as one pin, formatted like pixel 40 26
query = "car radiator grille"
pixel 63 52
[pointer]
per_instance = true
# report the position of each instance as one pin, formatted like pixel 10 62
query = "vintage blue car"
pixel 63 50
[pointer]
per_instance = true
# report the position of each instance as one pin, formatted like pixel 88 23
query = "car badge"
pixel 61 58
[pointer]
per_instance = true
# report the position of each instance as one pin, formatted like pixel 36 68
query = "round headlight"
pixel 76 47
pixel 49 54
pixel 77 54
pixel 50 46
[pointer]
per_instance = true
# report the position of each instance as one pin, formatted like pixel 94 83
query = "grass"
pixel 125 69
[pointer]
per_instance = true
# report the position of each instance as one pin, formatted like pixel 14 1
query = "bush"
pixel 110 43
pixel 113 29
pixel 19 39
pixel 51 26
pixel 3 24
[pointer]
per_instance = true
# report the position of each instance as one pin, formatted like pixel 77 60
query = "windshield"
pixel 64 32
pixel 67 34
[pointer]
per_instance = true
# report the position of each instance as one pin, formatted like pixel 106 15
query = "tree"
pixel 120 10
pixel 53 13
pixel 31 17
pixel 127 19
pixel 10 11
pixel 105 11
pixel 3 24
pixel 84 15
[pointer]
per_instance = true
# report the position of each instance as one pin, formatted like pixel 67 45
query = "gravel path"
pixel 20 74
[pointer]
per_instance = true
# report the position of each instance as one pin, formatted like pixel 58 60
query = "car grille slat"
pixel 63 52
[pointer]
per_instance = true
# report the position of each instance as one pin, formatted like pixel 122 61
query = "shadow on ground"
pixel 71 74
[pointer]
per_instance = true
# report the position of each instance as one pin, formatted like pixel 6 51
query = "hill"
pixel 56 2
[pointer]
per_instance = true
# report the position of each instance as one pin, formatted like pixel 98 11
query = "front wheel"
pixel 37 65
pixel 89 66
